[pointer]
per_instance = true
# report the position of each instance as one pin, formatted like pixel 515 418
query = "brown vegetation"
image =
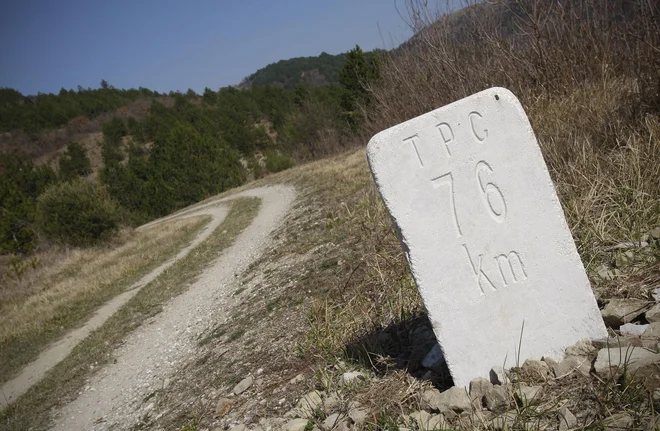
pixel 40 305
pixel 44 145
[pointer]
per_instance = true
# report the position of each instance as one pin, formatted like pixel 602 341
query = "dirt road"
pixel 112 399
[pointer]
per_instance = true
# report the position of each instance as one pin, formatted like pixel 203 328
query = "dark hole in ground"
pixel 402 345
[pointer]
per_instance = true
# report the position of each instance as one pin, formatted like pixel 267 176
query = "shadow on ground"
pixel 404 346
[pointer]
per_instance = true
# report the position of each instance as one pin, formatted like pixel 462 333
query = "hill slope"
pixel 313 71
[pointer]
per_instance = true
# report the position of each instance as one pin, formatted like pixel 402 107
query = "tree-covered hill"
pixel 322 70
pixel 49 111
pixel 159 153
pixel 313 71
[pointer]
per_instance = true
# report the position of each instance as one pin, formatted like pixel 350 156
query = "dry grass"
pixel 334 292
pixel 70 283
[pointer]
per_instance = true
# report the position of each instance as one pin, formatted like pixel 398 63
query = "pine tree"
pixel 74 162
pixel 355 76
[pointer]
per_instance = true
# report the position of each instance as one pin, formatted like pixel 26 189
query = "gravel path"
pixel 113 398
pixel 60 349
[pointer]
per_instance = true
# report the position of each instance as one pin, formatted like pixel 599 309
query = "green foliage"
pixel 78 213
pixel 183 153
pixel 33 113
pixel 355 76
pixel 113 132
pixel 302 132
pixel 20 184
pixel 322 70
pixel 187 162
pixel 74 162
pixel 276 161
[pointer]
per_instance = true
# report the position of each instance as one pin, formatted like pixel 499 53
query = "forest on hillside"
pixel 175 150
pixel 322 70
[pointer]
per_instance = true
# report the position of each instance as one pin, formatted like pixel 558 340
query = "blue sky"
pixel 169 45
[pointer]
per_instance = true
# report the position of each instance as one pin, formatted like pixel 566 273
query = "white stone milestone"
pixel 484 234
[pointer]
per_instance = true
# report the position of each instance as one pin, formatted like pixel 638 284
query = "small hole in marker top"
pixel 497 97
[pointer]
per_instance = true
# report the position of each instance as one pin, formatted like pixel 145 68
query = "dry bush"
pixel 586 73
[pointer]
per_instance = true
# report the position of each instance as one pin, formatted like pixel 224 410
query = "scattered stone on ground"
pixel 334 421
pixel 504 421
pixel 352 377
pixel 567 419
pixel 496 399
pixel 581 348
pixel 222 407
pixel 538 370
pixel 478 389
pixel 357 414
pixel 618 422
pixel 527 395
pixel 572 364
pixel 295 425
pixel 633 329
pixel 299 378
pixel 612 361
pixel 655 232
pixel 243 385
pixel 604 272
pixel 425 421
pixel 653 314
pixel 307 405
pixel 455 399
pixel 620 311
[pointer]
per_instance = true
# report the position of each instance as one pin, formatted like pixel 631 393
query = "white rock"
pixel 295 425
pixel 299 378
pixel 333 421
pixel 307 405
pixel 572 364
pixel 653 315
pixel 612 361
pixel 632 329
pixel 243 385
pixel 351 377
pixel 484 234
pixel 358 415
pixel 455 398
pixel 528 394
